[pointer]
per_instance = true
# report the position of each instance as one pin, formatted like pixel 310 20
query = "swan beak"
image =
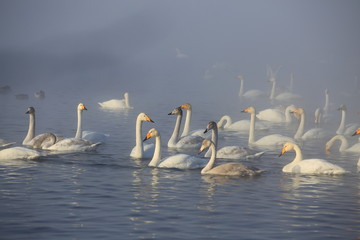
pixel 283 150
pixel 245 110
pixel 147 137
pixel 206 130
pixel 356 132
pixel 149 119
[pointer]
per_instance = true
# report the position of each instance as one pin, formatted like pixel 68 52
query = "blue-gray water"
pixel 108 195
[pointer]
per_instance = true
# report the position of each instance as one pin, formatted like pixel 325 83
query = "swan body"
pixel 180 161
pixel 229 152
pixel 347 129
pixel 141 150
pixel 188 141
pixel 308 166
pixel 250 94
pixel 344 144
pixel 276 115
pixel 270 141
pixel 314 133
pixel 19 153
pixel 94 136
pixel 115 104
pixel 226 123
pixel 227 169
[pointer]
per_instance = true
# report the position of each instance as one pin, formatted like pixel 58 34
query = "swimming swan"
pixel 347 129
pixel 228 152
pixel 308 166
pixel 314 133
pixel 344 146
pixel 140 150
pixel 250 94
pixel 115 104
pixel 183 142
pixel 180 161
pixel 19 153
pixel 276 115
pixel 227 169
pixel 269 141
pixel 226 123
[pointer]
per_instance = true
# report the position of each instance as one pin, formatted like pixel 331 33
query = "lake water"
pixel 108 195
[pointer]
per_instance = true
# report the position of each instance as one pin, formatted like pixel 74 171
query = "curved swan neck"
pixel 157 152
pixel 78 129
pixel 298 154
pixel 226 119
pixel 211 162
pixel 31 131
pixel 341 128
pixel 252 128
pixel 187 123
pixel 138 138
pixel 175 135
pixel 300 130
pixel 343 145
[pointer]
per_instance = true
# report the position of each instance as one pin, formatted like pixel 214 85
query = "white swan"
pixel 318 115
pixel 186 130
pixel 344 146
pixel 308 166
pixel 229 152
pixel 283 97
pixel 226 123
pixel 188 141
pixel 19 153
pixel 314 133
pixel 227 169
pixel 141 150
pixel 347 129
pixel 250 94
pixel 276 115
pixel 180 161
pixel 269 141
pixel 30 137
pixel 115 104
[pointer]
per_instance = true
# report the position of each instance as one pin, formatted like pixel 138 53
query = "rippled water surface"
pixel 108 195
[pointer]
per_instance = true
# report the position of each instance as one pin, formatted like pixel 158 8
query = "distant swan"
pixel 308 166
pixel 229 152
pixel 347 129
pixel 269 141
pixel 115 104
pixel 226 169
pixel 285 96
pixel 344 146
pixel 314 133
pixel 226 123
pixel 276 115
pixel 250 94
pixel 180 161
pixel 183 142
pixel 19 153
pixel 140 150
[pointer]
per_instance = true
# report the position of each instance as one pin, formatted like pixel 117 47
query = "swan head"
pixel 126 95
pixel 271 79
pixel 151 133
pixel 81 107
pixel 186 106
pixel 176 111
pixel 210 125
pixel 206 143
pixel 288 146
pixel 30 110
pixel 249 110
pixel 342 107
pixel 144 117
pixel 298 111
pixel 357 132
pixel 240 77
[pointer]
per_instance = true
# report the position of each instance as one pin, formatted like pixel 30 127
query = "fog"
pixel 100 49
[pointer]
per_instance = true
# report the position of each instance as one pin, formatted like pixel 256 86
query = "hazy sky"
pixel 84 40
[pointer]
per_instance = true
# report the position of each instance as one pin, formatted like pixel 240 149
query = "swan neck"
pixel 211 162
pixel 343 145
pixel 341 128
pixel 31 131
pixel 241 91
pixel 272 95
pixel 78 129
pixel 252 128
pixel 157 153
pixel 298 155
pixel 187 123
pixel 175 135
pixel 127 100
pixel 300 130
pixel 326 107
pixel 138 137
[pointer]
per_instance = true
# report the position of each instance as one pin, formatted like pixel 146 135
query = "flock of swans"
pixel 203 139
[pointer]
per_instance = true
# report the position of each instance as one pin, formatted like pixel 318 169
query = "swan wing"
pixel 183 161
pixel 113 104
pixel 274 140
pixel 314 133
pixel 316 166
pixel 74 145
pixel 94 136
pixel 271 115
pixel 234 169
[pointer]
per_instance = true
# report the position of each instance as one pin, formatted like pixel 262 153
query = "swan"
pixel 270 141
pixel 115 104
pixel 308 166
pixel 180 161
pixel 5 144
pixel 19 153
pixel 140 150
pixel 226 169
pixel 228 152
pixel 347 129
pixel 30 137
pixel 314 133
pixel 344 146
pixel 250 94
pixel 226 123
pixel 182 142
pixel 285 96
pixel 276 115
pixel 199 132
